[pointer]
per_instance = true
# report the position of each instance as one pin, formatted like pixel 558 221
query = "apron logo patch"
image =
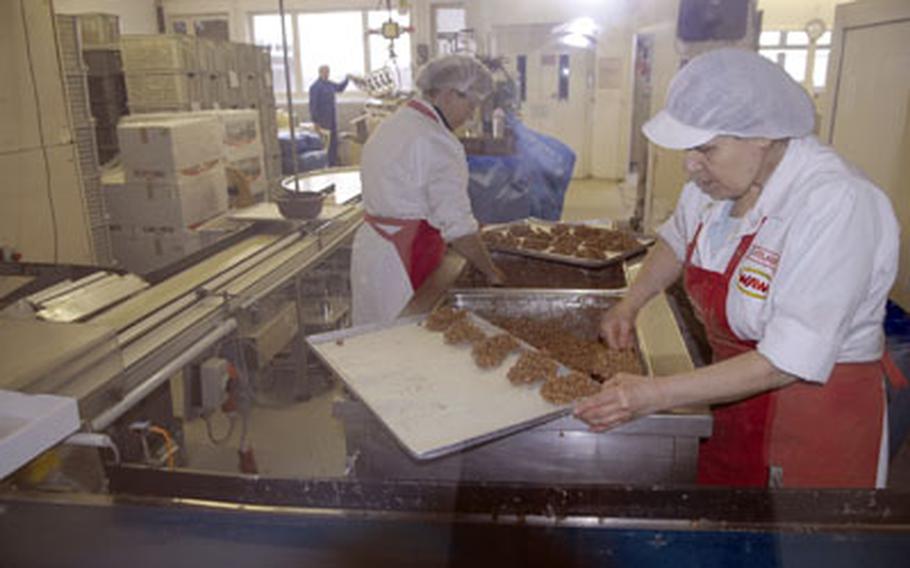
pixel 753 282
pixel 764 257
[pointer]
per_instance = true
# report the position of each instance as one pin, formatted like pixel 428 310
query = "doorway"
pixel 559 86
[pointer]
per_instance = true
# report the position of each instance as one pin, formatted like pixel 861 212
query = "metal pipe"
pixel 289 92
pixel 110 415
pixel 94 440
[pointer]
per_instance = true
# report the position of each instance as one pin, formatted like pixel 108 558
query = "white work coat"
pixel 812 287
pixel 412 167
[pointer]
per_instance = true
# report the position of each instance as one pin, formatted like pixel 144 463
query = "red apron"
pixel 813 435
pixel 419 244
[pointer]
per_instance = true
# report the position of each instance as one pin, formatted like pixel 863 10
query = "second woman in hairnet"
pixel 415 191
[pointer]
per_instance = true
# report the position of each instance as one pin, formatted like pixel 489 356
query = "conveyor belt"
pixel 159 296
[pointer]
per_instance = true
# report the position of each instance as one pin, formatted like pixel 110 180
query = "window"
pixel 267 32
pixel 450 23
pixel 214 26
pixel 330 38
pixel 337 39
pixel 790 49
pixel 379 47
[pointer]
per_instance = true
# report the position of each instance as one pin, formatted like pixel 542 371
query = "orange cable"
pixel 168 444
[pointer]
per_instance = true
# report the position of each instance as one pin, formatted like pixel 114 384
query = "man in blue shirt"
pixel 322 108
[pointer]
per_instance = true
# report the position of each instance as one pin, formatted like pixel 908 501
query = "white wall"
pixel 790 14
pixel 136 16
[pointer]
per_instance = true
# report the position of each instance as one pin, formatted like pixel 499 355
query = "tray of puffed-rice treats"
pixel 588 245
pixel 449 380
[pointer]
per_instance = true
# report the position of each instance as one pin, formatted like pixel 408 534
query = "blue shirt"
pixel 322 101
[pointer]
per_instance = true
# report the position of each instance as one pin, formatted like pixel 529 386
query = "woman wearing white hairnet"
pixel 415 190
pixel 787 254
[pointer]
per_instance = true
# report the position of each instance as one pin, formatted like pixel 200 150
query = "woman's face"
pixel 726 166
pixel 456 106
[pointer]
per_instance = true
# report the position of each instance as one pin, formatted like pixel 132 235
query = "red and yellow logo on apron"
pixel 753 282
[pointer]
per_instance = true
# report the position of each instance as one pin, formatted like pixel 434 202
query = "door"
pixel 868 115
pixel 559 86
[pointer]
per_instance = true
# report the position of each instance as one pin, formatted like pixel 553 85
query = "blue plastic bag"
pixel 897 342
pixel 530 183
pixel 306 141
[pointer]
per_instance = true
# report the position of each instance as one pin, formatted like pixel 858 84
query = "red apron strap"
pixel 422 109
pixel 897 378
pixel 690 248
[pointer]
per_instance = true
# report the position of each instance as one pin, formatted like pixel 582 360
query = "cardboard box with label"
pixel 186 202
pixel 144 249
pixel 165 149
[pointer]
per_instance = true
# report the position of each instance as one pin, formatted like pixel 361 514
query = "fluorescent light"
pixel 583 26
pixel 577 40
pixel 580 32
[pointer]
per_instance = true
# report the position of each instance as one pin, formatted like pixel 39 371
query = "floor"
pixel 304 439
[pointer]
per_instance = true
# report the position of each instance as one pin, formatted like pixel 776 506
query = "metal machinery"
pixel 249 301
pixel 218 323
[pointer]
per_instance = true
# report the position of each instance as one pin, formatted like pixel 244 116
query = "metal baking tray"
pixel 529 274
pixel 578 308
pixel 381 357
pixel 551 256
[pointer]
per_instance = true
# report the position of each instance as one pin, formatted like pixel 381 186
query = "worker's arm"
pixel 473 249
pixel 627 397
pixel 660 269
pixel 340 87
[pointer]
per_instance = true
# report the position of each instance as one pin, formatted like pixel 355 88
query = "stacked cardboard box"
pixel 174 181
pixel 83 130
pixel 181 73
pixel 99 31
pixel 241 141
pixel 162 73
pixel 243 149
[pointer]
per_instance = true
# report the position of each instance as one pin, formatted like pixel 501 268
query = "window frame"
pixel 434 26
pixel 299 89
pixel 784 46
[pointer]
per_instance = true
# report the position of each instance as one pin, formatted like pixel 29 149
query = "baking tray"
pixel 439 402
pixel 554 257
pixel 575 307
pixel 535 274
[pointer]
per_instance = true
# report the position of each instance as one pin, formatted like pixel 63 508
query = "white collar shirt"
pixel 413 167
pixel 811 289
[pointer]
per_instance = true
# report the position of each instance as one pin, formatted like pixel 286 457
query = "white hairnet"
pixel 731 92
pixel 460 72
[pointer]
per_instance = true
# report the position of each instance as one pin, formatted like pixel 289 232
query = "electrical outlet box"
pixel 213 380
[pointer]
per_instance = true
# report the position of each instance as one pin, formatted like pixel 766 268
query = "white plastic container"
pixel 499 123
